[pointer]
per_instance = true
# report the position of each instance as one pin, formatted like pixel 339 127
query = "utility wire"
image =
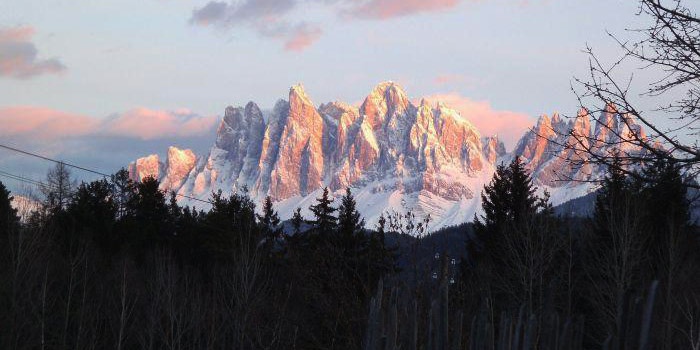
pixel 21 178
pixel 27 153
pixel 53 160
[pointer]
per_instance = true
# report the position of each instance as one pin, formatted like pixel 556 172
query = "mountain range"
pixel 394 154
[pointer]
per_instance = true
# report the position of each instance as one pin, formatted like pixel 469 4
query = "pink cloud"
pixel 44 123
pixel 508 125
pixel 18 55
pixel 47 124
pixel 384 9
pixel 302 38
pixel 148 124
pixel 16 34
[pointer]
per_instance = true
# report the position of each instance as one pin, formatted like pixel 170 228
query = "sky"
pixel 100 83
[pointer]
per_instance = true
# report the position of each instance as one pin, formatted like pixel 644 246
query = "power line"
pixel 23 179
pixel 76 167
pixel 53 160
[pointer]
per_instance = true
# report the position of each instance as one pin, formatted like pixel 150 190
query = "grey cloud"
pixel 225 14
pixel 266 17
pixel 19 56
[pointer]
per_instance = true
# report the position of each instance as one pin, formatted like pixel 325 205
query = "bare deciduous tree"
pixel 669 47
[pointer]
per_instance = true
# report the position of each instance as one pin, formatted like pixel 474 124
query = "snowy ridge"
pixel 393 154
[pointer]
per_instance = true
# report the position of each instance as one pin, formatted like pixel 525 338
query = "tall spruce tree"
pixel 8 214
pixel 670 245
pixel 350 222
pixel 612 201
pixel 230 225
pixel 325 221
pixel 514 242
pixel 269 220
pixel 147 219
pixel 614 253
pixel 297 221
pixel 93 213
pixel 122 188
pixel 509 199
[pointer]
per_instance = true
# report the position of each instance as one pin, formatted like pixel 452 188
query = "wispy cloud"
pixel 45 124
pixel 508 125
pixel 19 56
pixel 266 17
pixel 273 18
pixel 148 124
pixel 385 9
pixel 302 37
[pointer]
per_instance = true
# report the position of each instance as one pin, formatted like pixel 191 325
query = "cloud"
pixel 272 18
pixel 302 38
pixel 225 14
pixel 45 124
pixel 148 124
pixel 385 9
pixel 18 55
pixel 265 17
pixel 508 125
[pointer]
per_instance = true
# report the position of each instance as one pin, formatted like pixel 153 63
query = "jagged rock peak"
pixel 493 148
pixel 149 166
pixel 252 109
pixel 387 98
pixel 297 92
pixel 178 166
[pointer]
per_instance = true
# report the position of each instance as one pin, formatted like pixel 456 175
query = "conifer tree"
pixel 297 221
pixel 325 222
pixel 612 200
pixel 123 188
pixel 147 216
pixel 8 214
pixel 514 240
pixel 350 223
pixel 509 199
pixel 269 219
pixel 231 224
pixel 93 212
pixel 614 254
pixel 670 242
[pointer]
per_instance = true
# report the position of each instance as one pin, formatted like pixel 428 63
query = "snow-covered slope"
pixel 395 155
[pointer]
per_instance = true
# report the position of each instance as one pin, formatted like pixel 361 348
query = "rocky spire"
pixel 299 166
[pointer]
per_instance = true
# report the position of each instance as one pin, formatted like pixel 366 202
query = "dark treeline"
pixel 117 264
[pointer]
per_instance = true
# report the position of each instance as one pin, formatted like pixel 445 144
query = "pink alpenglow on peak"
pixel 507 124
pixel 425 156
pixel 145 167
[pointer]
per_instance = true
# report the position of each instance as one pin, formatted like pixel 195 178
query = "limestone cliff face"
pixel 548 153
pixel 299 166
pixel 171 174
pixel 396 155
pixel 144 167
pixel 493 148
pixel 178 165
